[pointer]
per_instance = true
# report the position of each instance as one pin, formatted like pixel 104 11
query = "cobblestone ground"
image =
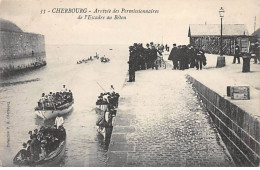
pixel 160 122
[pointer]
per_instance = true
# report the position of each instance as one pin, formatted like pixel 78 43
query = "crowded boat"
pixel 54 103
pixel 104 59
pixel 45 146
pixel 106 106
pixel 85 60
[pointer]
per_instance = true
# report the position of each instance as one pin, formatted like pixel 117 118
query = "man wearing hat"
pixel 31 135
pixel 201 59
pixel 237 53
pixel 255 51
pixel 173 57
pixel 23 152
pixel 64 89
pixel 59 121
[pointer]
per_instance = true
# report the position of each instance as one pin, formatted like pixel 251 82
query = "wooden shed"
pixel 207 37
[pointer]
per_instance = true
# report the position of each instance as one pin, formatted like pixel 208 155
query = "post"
pixel 221 49
pixel 221 59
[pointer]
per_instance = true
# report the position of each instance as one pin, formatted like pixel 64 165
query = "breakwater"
pixel 238 128
pixel 19 51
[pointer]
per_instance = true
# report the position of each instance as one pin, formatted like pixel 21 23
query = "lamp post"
pixel 221 59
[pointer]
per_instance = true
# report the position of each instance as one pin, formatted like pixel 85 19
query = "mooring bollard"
pixel 246 64
pixel 221 62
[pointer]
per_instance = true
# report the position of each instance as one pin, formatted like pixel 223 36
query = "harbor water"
pixel 19 96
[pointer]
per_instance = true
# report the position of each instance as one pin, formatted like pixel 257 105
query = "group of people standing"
pixel 184 57
pixel 109 99
pixel 142 58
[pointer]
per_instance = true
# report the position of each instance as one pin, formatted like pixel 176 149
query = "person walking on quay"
pixel 185 57
pixel 181 57
pixel 192 56
pixel 131 64
pixel 173 57
pixel 142 56
pixel 255 51
pixel 153 56
pixel 200 59
pixel 147 56
pixel 237 53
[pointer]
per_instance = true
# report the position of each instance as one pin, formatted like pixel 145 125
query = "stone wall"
pixel 239 130
pixel 20 44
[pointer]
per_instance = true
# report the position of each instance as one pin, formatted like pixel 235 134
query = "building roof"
pixel 256 33
pixel 214 30
pixel 6 25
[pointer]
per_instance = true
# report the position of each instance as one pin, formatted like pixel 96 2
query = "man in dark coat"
pixel 132 63
pixel 237 53
pixel 173 57
pixel 153 56
pixel 181 57
pixel 255 51
pixel 200 59
pixel 185 57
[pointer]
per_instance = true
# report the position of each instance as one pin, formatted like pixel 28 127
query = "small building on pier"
pixel 256 36
pixel 207 37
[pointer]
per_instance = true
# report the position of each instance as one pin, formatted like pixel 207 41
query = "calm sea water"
pixel 19 96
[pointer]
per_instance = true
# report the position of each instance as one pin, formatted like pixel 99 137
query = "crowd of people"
pixel 52 101
pixel 108 98
pixel 184 57
pixel 142 58
pixel 41 142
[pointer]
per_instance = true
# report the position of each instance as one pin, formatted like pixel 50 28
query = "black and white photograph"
pixel 129 83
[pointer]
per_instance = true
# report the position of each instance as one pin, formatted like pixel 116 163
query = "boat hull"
pixel 102 107
pixel 56 158
pixel 53 159
pixel 48 114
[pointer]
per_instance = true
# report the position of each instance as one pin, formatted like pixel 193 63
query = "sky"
pixel 170 25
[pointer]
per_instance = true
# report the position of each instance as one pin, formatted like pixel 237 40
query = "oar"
pixel 101 87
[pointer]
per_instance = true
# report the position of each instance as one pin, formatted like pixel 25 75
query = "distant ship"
pixel 19 51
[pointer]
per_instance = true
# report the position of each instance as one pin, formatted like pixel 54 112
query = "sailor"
pixel 42 155
pixel 23 152
pixel 28 148
pixel 112 90
pixel 64 89
pixel 59 121
pixel 35 132
pixel 31 135
pixel 35 148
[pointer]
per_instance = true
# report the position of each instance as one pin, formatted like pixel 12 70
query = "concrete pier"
pixel 160 122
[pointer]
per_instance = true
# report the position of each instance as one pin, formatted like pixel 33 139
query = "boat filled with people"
pixel 104 59
pixel 45 147
pixel 106 108
pixel 85 60
pixel 52 104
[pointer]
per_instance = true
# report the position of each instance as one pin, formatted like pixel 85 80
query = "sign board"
pixel 239 92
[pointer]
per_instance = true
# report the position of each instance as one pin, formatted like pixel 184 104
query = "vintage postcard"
pixel 129 83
